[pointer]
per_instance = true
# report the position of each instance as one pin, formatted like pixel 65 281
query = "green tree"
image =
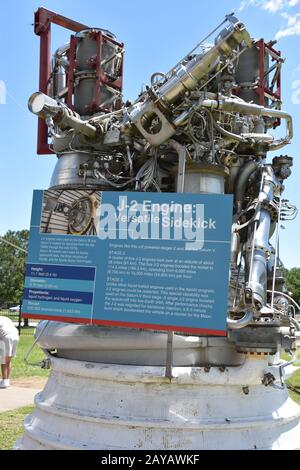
pixel 292 278
pixel 12 267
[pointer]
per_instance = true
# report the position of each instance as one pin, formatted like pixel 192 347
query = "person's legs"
pixel 8 367
pixel 5 369
pixel 11 350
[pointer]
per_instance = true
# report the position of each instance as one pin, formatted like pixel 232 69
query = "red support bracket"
pixel 72 66
pixel 273 91
pixel 43 19
pixel 96 102
pixel 261 84
pixel 101 76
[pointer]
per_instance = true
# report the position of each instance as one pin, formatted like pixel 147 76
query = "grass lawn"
pixel 295 382
pixel 19 367
pixel 11 422
pixel 11 426
pixel 295 379
pixel 287 357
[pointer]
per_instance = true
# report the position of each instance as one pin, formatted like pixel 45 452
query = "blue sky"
pixel 156 35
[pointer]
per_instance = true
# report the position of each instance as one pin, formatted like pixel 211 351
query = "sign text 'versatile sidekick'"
pixel 145 260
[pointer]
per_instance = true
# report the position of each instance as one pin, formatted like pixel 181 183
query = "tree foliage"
pixel 292 278
pixel 12 267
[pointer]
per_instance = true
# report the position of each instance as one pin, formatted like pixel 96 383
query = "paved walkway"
pixel 290 370
pixel 20 393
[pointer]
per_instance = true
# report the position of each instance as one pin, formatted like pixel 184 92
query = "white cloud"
pixel 291 27
pixel 272 6
pixel 275 5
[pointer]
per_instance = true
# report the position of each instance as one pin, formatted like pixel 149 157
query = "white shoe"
pixel 4 383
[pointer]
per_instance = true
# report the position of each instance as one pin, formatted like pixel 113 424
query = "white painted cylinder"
pixel 203 183
pixel 204 179
pixel 88 405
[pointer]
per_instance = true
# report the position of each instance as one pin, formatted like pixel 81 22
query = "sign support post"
pixel 182 153
pixel 169 358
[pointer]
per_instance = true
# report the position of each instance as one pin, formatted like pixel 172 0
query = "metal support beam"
pixel 43 19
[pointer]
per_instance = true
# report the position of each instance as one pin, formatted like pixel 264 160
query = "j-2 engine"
pixel 206 126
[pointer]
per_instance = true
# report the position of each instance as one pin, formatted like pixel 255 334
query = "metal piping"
pixel 278 144
pixel 45 107
pixel 246 137
pixel 295 323
pixel 59 64
pixel 181 151
pixel 244 174
pixel 232 105
pixel 242 322
pixel 287 297
pixel 227 134
pixel 188 76
pixel 256 259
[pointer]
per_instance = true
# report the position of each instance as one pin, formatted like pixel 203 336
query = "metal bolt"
pixel 268 379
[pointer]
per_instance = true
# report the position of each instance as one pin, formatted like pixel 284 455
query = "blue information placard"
pixel 144 260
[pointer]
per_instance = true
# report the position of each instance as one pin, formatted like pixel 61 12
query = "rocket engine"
pixel 203 127
pixel 206 126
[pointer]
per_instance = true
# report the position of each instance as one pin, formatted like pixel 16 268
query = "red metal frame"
pixel 263 91
pixel 95 104
pixel 101 77
pixel 43 19
pixel 42 27
pixel 72 66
